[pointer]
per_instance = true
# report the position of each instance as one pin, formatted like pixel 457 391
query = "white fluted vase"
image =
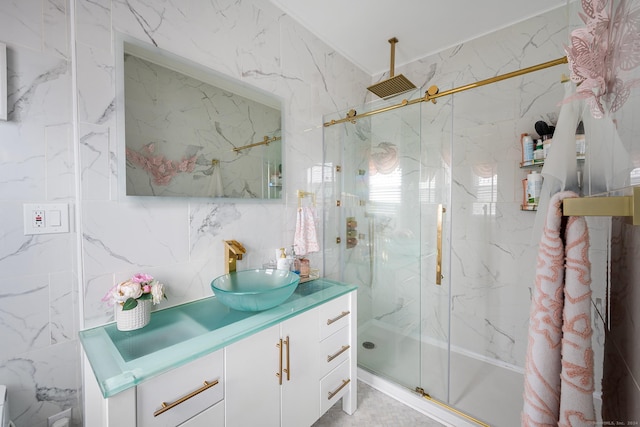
pixel 136 318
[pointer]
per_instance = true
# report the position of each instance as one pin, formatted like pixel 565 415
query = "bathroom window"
pixel 429 190
pixel 385 192
pixel 486 190
pixel 635 176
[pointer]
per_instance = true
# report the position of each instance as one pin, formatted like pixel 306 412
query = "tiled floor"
pixel 375 409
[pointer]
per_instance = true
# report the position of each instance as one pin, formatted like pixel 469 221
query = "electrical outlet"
pixel 38 218
pixel 46 218
pixel 59 416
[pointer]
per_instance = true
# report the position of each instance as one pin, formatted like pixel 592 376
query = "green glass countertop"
pixel 178 335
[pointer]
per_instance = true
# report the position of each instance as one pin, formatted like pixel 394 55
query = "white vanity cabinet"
pixel 292 373
pixel 283 367
pixel 272 376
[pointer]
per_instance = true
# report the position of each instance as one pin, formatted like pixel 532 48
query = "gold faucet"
pixel 233 251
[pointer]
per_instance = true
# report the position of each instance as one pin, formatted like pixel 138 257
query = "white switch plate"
pixel 46 218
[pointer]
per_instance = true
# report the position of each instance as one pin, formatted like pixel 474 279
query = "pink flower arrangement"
pixel 140 287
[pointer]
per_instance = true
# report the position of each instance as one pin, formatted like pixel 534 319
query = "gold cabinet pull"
pixel 167 406
pixel 335 319
pixel 288 368
pixel 338 353
pixel 441 211
pixel 336 391
pixel 279 373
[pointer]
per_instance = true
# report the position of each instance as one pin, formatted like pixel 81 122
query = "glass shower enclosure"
pixel 387 187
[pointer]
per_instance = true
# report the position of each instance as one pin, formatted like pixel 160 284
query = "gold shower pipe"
pixel 432 93
pixel 265 141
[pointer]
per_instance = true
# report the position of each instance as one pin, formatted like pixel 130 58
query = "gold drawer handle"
pixel 167 406
pixel 342 350
pixel 335 319
pixel 333 393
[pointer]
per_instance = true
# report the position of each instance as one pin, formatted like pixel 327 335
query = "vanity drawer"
pixel 212 417
pixel 187 390
pixel 334 386
pixel 334 350
pixel 334 315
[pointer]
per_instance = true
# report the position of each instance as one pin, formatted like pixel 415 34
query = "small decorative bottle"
pixel 282 263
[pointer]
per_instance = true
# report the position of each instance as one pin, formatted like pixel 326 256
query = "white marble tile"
pixel 60 163
pixel 95 161
pixel 24 303
pixel 93 27
pixel 96 85
pixel 42 383
pixel 22 255
pixel 21 23
pixel 64 298
pixel 56 27
pixel 122 236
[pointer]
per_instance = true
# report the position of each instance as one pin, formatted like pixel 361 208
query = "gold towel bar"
pixel 265 141
pixel 628 206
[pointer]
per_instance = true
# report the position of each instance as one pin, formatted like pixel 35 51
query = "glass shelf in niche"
pixel 533 164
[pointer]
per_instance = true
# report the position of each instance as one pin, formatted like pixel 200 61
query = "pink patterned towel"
pixel 558 388
pixel 306 238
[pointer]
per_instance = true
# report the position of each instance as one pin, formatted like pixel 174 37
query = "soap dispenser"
pixel 282 263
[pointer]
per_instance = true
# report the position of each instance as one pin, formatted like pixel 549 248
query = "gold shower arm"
pixel 433 93
pixel 627 206
pixel 265 141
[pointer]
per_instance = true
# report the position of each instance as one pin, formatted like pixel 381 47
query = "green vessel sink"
pixel 255 290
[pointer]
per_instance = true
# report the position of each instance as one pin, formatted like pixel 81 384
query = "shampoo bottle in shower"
pixel 534 188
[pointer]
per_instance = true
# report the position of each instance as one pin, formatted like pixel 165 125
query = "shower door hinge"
pixel 338 203
pixel 338 240
pixel 338 168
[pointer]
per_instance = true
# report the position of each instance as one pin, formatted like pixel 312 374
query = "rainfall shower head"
pixel 394 84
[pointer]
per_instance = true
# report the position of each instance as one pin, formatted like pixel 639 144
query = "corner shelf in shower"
pixel 533 164
pixel 537 164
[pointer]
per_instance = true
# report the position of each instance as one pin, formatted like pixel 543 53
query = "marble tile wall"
pixel 52 284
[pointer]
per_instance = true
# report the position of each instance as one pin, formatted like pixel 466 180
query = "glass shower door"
pixel 386 215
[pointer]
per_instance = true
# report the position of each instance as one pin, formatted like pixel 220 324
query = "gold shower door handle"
pixel 440 214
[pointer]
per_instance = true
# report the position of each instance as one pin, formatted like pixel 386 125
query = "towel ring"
pixel 303 194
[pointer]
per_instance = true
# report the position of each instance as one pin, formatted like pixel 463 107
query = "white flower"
pixel 128 289
pixel 157 292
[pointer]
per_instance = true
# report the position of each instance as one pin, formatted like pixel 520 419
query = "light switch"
pixel 46 218
pixel 53 218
